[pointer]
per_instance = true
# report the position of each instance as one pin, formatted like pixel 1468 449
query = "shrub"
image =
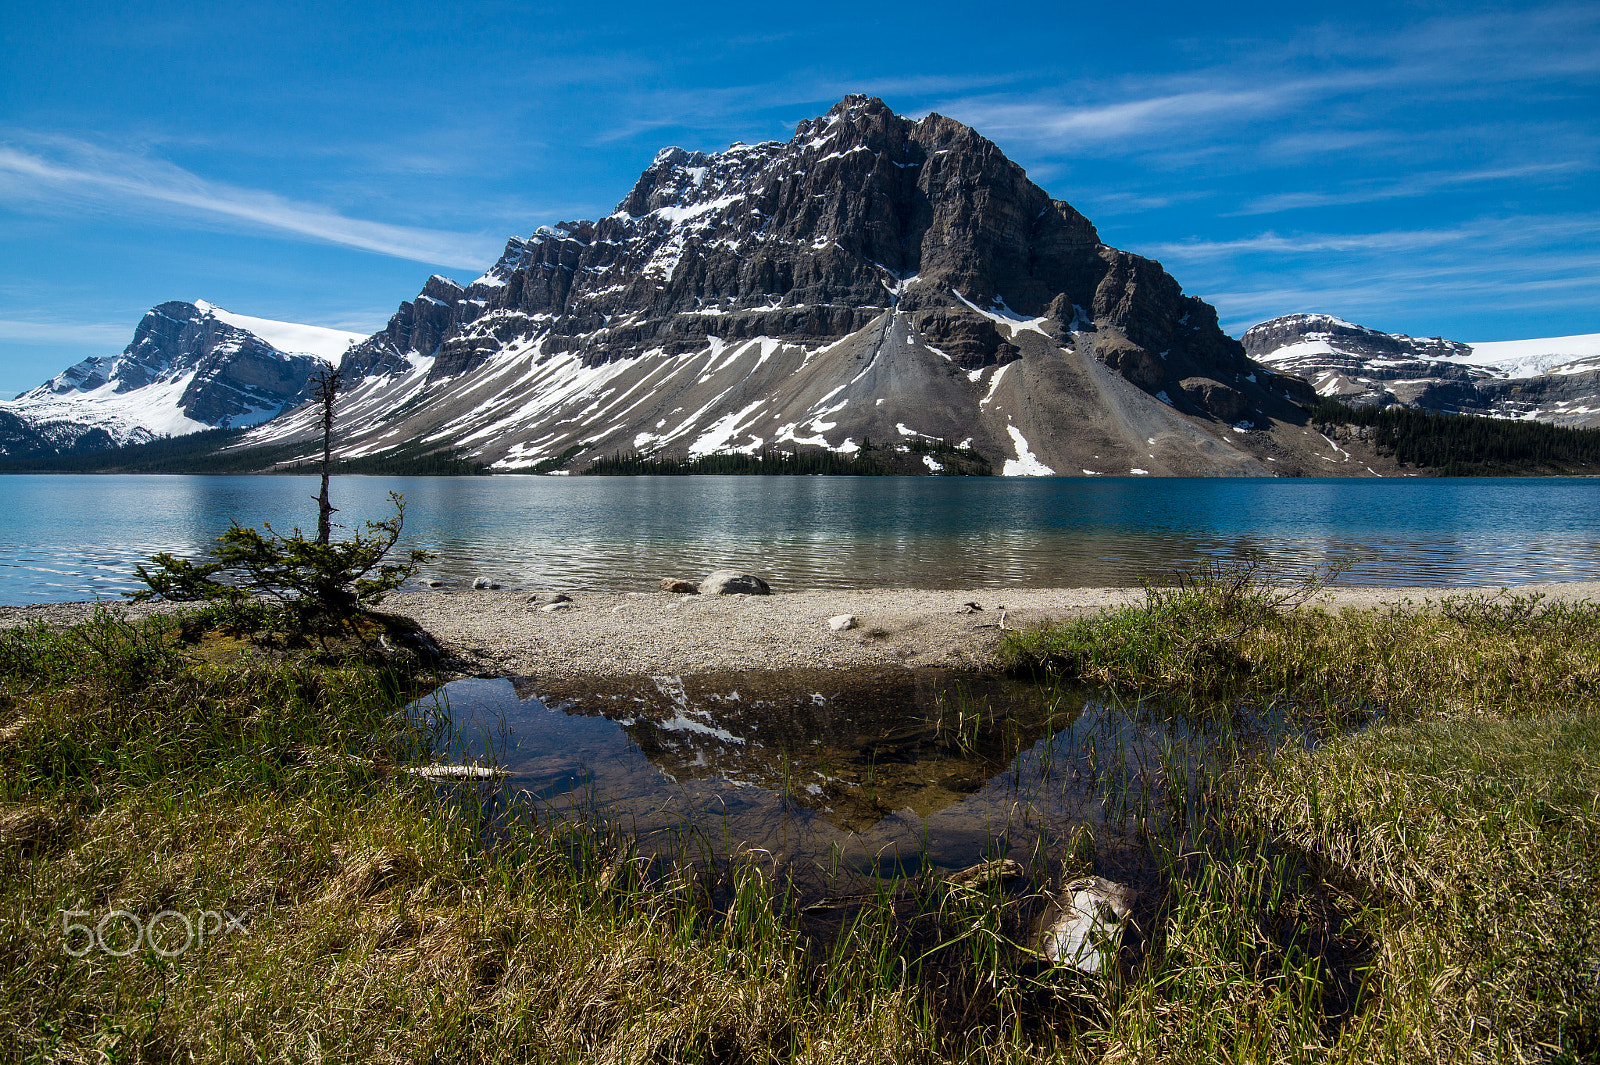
pixel 298 587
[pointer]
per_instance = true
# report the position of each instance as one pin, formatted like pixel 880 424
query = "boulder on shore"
pixel 671 584
pixel 732 582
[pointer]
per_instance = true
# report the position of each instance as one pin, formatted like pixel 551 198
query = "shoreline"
pixel 614 634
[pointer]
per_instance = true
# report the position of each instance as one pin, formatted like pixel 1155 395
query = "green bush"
pixel 297 587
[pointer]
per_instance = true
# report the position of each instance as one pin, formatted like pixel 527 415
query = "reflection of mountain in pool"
pixel 836 777
pixel 853 748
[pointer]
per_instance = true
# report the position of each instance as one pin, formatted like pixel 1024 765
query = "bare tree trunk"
pixel 326 385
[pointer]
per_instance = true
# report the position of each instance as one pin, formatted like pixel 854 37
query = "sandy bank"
pixel 499 633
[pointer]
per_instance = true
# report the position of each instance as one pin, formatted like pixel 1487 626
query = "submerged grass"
pixel 1449 815
pixel 1421 889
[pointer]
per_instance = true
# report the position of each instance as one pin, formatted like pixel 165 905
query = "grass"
pixel 380 924
pixel 1450 814
pixel 1418 884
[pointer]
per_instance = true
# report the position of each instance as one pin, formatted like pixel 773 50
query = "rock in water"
pixel 842 622
pixel 1083 927
pixel 732 582
pixel 484 584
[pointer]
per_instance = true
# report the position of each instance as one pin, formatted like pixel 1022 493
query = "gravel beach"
pixel 503 633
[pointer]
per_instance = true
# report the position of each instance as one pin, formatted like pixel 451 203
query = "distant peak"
pixel 857 103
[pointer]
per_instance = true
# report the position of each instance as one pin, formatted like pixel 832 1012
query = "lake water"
pixel 68 537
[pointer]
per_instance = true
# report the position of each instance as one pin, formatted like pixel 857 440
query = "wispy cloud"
pixel 69 172
pixel 1449 58
pixel 1477 236
pixel 1405 280
pixel 1065 125
pixel 1414 185
pixel 44 331
pixel 1400 301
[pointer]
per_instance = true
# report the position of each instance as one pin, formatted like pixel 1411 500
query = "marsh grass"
pixel 379 922
pixel 1436 809
pixel 1419 887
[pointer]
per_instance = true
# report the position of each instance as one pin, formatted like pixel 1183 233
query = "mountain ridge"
pixel 875 282
pixel 1554 379
pixel 190 367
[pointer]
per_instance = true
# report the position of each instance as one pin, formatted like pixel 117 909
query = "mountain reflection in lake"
pixel 839 776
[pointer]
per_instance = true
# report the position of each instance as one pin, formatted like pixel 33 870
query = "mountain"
pixel 190 366
pixel 873 278
pixel 1555 380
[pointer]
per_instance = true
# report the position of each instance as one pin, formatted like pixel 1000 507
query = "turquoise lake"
pixel 66 537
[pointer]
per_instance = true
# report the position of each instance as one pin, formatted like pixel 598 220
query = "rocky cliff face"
pixel 1555 380
pixel 187 369
pixel 872 278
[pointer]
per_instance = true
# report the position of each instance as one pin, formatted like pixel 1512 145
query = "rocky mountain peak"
pixel 806 239
pixel 1276 333
pixel 187 368
pixel 872 278
pixel 1555 380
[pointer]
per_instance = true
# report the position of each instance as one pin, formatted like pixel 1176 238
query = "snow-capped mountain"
pixel 1552 380
pixel 872 278
pixel 190 366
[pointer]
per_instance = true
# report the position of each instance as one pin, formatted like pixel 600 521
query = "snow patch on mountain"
pixel 291 338
pixel 1026 464
pixel 1530 358
pixel 133 417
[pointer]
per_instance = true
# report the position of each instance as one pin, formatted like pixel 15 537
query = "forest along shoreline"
pixel 1421 874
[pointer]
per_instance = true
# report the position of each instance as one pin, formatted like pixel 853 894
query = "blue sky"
pixel 1429 168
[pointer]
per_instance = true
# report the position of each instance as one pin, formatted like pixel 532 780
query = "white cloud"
pixel 72 173
pixel 1410 280
pixel 1476 237
pixel 111 334
pixel 1412 186
pixel 1041 121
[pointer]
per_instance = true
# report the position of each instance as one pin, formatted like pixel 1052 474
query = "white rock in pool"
pixel 1084 924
